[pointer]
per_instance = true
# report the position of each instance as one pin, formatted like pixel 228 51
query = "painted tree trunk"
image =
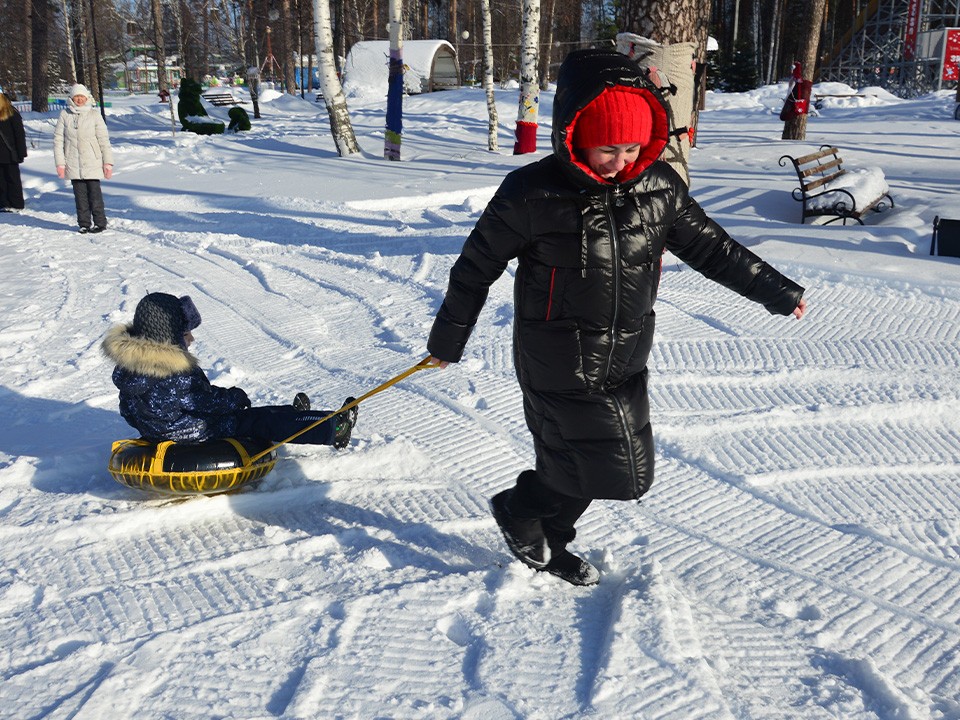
pixel 492 118
pixel 675 62
pixel 340 126
pixel 529 83
pixel 667 23
pixel 393 137
pixel 808 23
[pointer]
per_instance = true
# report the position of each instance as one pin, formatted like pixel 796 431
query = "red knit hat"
pixel 617 116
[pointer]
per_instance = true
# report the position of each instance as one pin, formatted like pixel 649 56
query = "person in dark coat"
pixel 589 224
pixel 13 151
pixel 165 395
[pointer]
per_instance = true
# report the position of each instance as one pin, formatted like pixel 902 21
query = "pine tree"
pixel 740 72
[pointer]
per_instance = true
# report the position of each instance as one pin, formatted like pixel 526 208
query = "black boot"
pixel 524 536
pixel 345 422
pixel 575 570
pixel 301 402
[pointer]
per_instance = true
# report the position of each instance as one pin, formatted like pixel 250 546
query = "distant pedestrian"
pixel 589 225
pixel 13 151
pixel 81 149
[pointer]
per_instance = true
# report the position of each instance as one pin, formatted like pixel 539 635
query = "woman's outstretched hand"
pixel 801 309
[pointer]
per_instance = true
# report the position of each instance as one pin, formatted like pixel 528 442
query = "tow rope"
pixel 422 365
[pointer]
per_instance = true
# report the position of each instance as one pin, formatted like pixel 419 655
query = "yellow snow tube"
pixel 206 468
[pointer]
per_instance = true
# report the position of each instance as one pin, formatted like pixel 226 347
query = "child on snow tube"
pixel 166 396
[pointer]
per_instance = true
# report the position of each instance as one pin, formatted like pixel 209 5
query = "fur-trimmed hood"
pixel 145 357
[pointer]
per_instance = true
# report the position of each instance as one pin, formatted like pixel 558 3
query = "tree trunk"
pixel 672 22
pixel 809 19
pixel 774 43
pixel 454 32
pixel 159 47
pixel 547 54
pixel 27 48
pixel 333 97
pixel 287 65
pixel 492 117
pixel 529 84
pixel 79 48
pixel 96 59
pixel 39 50
pixel 253 68
pixel 68 26
pixel 393 137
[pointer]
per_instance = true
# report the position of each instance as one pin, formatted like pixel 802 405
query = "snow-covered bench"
pixel 827 189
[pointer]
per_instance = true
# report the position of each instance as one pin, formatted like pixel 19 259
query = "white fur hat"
pixel 79 89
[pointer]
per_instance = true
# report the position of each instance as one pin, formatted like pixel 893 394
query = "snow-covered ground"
pixel 797 557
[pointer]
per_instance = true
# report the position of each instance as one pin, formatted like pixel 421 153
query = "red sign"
pixel 910 33
pixel 951 55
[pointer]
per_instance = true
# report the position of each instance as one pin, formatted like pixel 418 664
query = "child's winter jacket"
pixel 165 395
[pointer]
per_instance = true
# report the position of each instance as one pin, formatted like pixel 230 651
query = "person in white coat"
pixel 81 150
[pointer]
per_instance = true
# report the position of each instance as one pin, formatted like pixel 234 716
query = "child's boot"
pixel 345 422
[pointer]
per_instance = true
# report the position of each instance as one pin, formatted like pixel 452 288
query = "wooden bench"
pixel 220 99
pixel 825 191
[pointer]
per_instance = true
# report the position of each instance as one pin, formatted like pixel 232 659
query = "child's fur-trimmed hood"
pixel 145 357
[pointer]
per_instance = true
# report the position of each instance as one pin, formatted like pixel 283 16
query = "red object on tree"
pixel 798 96
pixel 526 138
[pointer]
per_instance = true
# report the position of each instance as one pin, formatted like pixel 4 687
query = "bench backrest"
pixel 816 170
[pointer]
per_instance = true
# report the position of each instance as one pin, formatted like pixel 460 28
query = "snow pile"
pixel 202 120
pixel 864 184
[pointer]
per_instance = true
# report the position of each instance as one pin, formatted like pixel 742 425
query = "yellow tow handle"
pixel 422 365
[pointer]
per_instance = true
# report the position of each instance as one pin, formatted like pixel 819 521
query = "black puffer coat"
pixel 589 268
pixel 13 140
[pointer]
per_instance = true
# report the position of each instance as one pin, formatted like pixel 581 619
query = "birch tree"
pixel 393 136
pixel 527 115
pixel 492 118
pixel 340 126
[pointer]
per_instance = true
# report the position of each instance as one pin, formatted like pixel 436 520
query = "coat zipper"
pixel 618 200
pixel 615 248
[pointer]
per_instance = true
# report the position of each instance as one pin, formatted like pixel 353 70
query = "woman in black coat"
pixel 13 151
pixel 589 225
